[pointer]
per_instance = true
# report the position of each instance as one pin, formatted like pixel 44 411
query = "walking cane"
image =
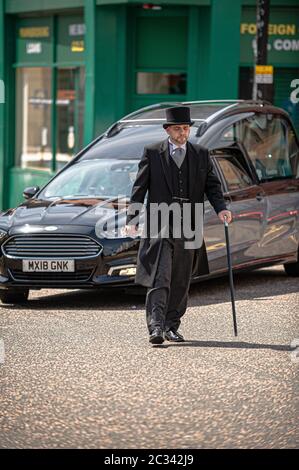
pixel 231 281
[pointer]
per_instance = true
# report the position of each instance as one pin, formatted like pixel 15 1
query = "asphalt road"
pixel 79 372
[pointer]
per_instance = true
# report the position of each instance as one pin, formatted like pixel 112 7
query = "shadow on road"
pixel 228 345
pixel 256 285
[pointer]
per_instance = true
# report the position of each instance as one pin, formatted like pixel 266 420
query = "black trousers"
pixel 166 301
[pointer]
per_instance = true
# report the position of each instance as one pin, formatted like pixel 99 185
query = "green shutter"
pixel 162 42
pixel 282 91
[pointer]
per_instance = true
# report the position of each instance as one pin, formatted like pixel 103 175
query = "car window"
pixel 198 111
pixel 223 133
pixel 266 139
pixel 231 133
pixel 71 182
pixel 95 178
pixel 128 143
pixel 293 151
pixel 233 172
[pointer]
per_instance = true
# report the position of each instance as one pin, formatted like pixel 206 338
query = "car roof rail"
pixel 228 110
pixel 116 127
pixel 236 101
pixel 151 107
pixel 183 103
pixel 113 130
pixel 259 102
pixel 211 101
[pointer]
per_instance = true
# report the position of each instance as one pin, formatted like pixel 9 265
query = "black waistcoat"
pixel 180 185
pixel 180 178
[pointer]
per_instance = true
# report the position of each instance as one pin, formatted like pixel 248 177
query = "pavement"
pixel 78 371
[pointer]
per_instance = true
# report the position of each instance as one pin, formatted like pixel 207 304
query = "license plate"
pixel 49 265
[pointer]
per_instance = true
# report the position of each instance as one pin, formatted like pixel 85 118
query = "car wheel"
pixel 14 297
pixel 292 269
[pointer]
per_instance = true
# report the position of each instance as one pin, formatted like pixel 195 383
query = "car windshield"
pixel 129 143
pixel 96 178
pixel 198 112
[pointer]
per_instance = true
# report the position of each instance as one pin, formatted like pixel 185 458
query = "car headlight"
pixel 3 233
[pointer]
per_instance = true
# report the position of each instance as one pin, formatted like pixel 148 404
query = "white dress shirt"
pixel 173 146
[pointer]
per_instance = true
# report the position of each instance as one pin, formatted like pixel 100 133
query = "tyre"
pixel 292 269
pixel 14 297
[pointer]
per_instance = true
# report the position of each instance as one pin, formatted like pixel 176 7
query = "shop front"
pixel 159 69
pixel 283 54
pixel 73 67
pixel 49 98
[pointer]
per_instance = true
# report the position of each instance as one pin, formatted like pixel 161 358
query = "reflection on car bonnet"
pixel 132 176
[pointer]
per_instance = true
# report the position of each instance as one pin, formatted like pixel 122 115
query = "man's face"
pixel 179 133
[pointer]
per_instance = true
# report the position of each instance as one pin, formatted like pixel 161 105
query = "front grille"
pixel 51 246
pixel 54 278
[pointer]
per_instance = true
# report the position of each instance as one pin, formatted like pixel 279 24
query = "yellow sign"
pixel 35 32
pixel 264 74
pixel 77 46
pixel 264 69
pixel 273 29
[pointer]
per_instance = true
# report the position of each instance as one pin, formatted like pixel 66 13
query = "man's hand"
pixel 225 215
pixel 131 230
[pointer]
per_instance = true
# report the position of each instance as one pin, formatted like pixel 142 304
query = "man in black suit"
pixel 172 171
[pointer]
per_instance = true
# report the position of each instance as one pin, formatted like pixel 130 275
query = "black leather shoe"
pixel 157 336
pixel 172 335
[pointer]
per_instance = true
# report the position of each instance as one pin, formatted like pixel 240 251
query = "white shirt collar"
pixel 174 146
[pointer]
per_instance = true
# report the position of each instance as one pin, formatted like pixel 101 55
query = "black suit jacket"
pixel 154 178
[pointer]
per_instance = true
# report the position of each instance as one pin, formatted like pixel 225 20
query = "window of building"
pixel 161 83
pixel 34 120
pixel 69 114
pixel 160 53
pixel 33 113
pixel 49 94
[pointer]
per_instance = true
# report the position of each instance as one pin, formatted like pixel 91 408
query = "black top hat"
pixel 177 115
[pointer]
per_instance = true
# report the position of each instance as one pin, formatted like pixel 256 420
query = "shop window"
pixel 34 143
pixel 69 112
pixel 161 83
pixel 49 99
pixel 161 68
pixel 34 118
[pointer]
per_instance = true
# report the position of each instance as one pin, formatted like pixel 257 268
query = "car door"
pixel 272 146
pixel 248 204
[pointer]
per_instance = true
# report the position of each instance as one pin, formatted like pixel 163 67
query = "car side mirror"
pixel 201 129
pixel 28 193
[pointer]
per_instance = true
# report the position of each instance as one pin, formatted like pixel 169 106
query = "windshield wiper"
pixel 89 196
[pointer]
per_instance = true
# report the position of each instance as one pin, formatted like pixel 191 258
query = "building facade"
pixel 70 68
